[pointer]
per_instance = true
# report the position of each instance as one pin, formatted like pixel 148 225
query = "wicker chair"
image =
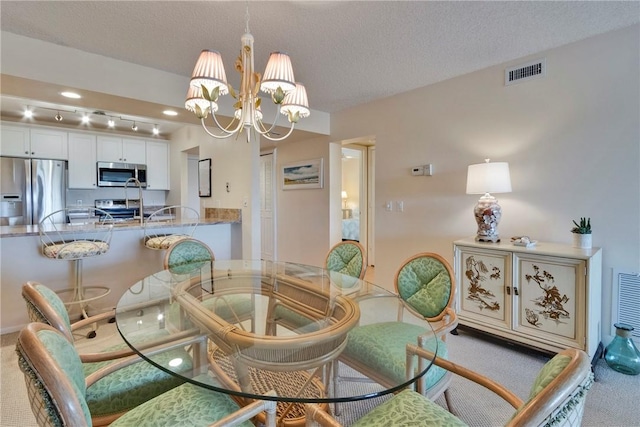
pixel 73 234
pixel 181 220
pixel 557 398
pixel 44 306
pixel 60 395
pixel 348 258
pixel 426 284
pixel 189 256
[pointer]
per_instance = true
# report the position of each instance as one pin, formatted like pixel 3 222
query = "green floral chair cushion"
pixel 548 373
pixel 133 385
pixel 54 300
pixel 424 283
pixel 382 347
pixel 184 406
pixel 408 409
pixel 75 250
pixel 187 255
pixel 69 361
pixel 345 258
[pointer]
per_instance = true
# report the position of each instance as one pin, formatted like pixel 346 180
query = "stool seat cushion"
pixel 187 405
pixel 408 409
pixel 75 250
pixel 163 242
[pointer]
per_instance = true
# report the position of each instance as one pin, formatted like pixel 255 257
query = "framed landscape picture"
pixel 302 175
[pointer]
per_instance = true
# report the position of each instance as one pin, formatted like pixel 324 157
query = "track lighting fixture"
pixel 93 117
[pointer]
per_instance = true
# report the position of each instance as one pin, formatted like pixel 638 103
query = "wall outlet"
pixel 388 206
pixel 79 202
pixel 400 206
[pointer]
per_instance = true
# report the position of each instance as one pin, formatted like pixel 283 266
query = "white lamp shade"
pixel 278 73
pixel 194 97
pixel 488 178
pixel 296 101
pixel 344 194
pixel 209 72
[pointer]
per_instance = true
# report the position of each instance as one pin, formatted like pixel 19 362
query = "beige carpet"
pixel 613 400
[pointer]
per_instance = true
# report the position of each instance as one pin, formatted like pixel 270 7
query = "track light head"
pixel 58 117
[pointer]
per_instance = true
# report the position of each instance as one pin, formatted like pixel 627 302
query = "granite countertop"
pixel 32 230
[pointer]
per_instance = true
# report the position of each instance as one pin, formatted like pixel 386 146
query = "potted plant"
pixel 582 233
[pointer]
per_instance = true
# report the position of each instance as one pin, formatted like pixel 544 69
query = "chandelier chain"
pixel 246 19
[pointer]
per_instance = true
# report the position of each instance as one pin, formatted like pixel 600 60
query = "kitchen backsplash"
pixel 88 197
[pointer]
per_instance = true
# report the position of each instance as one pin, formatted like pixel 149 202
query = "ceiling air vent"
pixel 525 72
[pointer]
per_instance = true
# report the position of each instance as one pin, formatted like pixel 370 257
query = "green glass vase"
pixel 621 354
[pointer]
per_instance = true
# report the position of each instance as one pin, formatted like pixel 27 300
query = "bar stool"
pixel 73 234
pixel 169 225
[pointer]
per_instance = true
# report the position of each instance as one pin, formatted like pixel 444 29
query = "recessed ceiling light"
pixel 85 119
pixel 70 95
pixel 170 113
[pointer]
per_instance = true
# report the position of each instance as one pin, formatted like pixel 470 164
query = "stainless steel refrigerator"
pixel 31 189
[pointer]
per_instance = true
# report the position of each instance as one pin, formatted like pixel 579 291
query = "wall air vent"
pixel 525 72
pixel 626 300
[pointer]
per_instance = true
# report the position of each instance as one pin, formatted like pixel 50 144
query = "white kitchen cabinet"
pixel 82 161
pixel 546 297
pixel 41 143
pixel 15 141
pixel 122 150
pixel 48 144
pixel 157 165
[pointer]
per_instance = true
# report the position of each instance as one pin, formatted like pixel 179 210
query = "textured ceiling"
pixel 346 53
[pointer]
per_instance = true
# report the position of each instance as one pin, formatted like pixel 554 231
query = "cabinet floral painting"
pixel 483 285
pixel 548 297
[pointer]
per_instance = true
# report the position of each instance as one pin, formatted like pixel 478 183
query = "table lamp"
pixel 486 178
pixel 344 199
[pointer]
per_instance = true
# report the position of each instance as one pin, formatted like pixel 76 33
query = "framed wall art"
pixel 303 175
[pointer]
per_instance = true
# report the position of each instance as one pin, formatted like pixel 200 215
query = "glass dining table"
pixel 254 327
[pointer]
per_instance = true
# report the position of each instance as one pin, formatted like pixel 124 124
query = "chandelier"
pixel 209 82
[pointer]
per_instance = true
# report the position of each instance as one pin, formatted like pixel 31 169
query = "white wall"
pixel 233 161
pixel 571 139
pixel 303 219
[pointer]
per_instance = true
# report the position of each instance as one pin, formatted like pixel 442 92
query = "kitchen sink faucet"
pixel 126 198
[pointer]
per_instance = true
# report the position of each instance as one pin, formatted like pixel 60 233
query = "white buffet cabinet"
pixel 547 296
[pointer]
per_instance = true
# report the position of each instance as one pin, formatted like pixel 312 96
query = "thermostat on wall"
pixel 426 170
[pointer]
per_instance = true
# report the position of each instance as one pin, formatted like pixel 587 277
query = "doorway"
pixel 358 195
pixel 267 207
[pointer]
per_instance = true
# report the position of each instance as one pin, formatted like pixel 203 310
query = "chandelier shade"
pixel 296 102
pixel 209 72
pixel 278 73
pixel 209 82
pixel 194 98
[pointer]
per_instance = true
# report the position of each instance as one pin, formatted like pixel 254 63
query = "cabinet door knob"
pixel 515 290
pixel 508 290
pixel 26 152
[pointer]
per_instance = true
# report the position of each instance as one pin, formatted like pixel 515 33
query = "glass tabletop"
pixel 248 327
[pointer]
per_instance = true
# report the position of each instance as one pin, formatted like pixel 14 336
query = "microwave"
pixel 117 174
